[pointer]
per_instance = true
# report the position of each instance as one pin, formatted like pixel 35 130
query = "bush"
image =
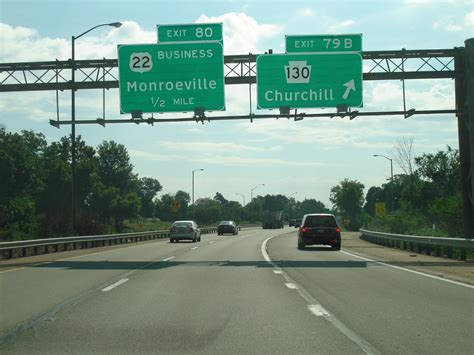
pixel 402 222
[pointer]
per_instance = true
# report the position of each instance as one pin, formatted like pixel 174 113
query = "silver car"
pixel 185 230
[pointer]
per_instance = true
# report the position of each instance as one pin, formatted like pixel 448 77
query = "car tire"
pixel 301 245
pixel 336 246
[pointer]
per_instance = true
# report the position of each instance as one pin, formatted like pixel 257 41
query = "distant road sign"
pixel 380 209
pixel 323 43
pixel 171 77
pixel 309 80
pixel 174 206
pixel 195 32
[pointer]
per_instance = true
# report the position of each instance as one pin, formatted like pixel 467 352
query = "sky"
pixel 305 158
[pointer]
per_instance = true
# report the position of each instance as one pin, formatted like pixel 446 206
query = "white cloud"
pixel 223 160
pixel 306 12
pixel 144 155
pixel 451 24
pixel 26 44
pixel 22 44
pixel 469 19
pixel 418 2
pixel 242 33
pixel 342 25
pixel 215 147
pixel 389 96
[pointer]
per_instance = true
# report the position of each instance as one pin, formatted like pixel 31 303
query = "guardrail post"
pixel 463 254
pixel 449 251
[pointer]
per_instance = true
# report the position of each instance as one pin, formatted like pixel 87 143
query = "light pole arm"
pixel 113 24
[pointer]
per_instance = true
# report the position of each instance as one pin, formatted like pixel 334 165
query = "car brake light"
pixel 190 229
pixel 338 230
pixel 303 229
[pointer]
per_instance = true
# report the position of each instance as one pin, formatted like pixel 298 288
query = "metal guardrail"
pixel 23 248
pixel 421 244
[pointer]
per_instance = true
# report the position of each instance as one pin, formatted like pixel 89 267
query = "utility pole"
pixel 464 89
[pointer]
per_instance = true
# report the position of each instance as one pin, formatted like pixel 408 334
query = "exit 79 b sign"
pixel 309 80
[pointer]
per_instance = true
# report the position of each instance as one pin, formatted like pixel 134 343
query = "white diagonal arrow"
pixel 350 85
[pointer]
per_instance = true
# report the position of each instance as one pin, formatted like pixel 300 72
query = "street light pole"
pixel 251 191
pixel 391 176
pixel 243 198
pixel 193 182
pixel 73 118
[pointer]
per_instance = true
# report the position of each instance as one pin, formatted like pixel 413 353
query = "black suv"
pixel 319 228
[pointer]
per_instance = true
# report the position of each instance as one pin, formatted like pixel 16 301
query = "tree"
pixel 404 157
pixel 207 210
pixel 147 190
pixel 348 198
pixel 442 169
pixel 183 198
pixel 374 194
pixel 114 192
pixel 21 172
pixel 115 168
pixel 310 206
pixel 220 198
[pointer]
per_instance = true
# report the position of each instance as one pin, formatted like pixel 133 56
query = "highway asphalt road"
pixel 253 293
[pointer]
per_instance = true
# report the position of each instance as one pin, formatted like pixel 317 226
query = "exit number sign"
pixel 323 43
pixel 195 32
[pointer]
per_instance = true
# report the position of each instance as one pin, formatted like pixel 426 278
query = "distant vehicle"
pixel 297 223
pixel 227 227
pixel 291 223
pixel 272 219
pixel 319 228
pixel 185 230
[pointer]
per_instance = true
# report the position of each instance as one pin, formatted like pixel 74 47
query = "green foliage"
pixel 36 188
pixel 446 213
pixel 403 222
pixel 147 190
pixel 429 196
pixel 348 198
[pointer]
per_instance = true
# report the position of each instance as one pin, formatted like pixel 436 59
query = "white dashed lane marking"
pixel 318 310
pixel 118 283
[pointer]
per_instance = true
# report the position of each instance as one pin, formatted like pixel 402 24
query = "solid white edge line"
pixel 171 257
pixel 118 283
pixel 409 270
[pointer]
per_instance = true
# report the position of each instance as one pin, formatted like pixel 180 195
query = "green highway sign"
pixel 195 32
pixel 171 77
pixel 323 43
pixel 309 80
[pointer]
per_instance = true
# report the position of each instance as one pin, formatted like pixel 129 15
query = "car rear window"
pixel 226 222
pixel 182 224
pixel 320 221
